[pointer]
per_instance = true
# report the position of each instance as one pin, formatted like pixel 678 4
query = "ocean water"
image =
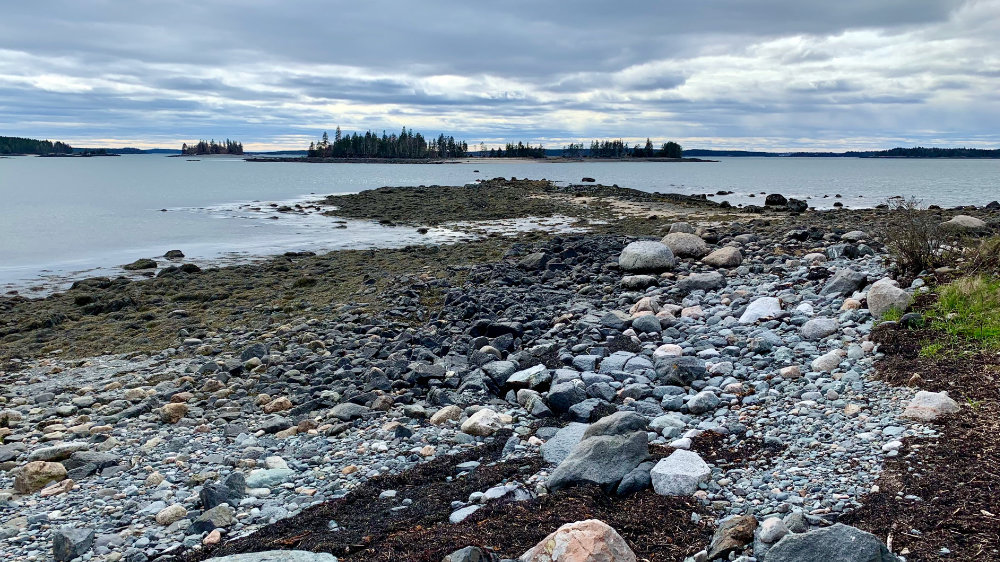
pixel 68 218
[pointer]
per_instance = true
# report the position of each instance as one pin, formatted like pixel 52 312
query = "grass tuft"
pixel 970 307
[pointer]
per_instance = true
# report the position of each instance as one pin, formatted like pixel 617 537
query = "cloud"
pixel 729 73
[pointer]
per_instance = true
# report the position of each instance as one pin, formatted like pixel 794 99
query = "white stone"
pixel 646 255
pixel 483 423
pixel 679 474
pixel 928 406
pixel 764 307
pixel 884 296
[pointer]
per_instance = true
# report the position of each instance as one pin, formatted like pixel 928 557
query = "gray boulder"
pixel 964 222
pixel 702 282
pixel 884 296
pixel 564 395
pixel 704 401
pixel 71 542
pixel 681 370
pixel 349 411
pixel 646 255
pixel 647 323
pixel 618 423
pixel 839 543
pixel 819 328
pixel 603 460
pixel 685 245
pixel 637 480
pixel 844 282
pixel 558 447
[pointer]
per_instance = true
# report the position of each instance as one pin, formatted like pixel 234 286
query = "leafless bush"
pixel 913 236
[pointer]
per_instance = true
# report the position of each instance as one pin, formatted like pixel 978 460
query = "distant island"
pixel 212 147
pixel 406 145
pixel 18 145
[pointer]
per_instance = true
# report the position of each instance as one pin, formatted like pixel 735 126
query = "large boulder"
pixel 36 475
pixel 884 296
pixel 838 543
pixel 727 256
pixel 646 255
pixel 685 245
pixel 603 460
pixel 928 406
pixel 964 222
pixel 844 282
pixel 559 446
pixel 618 423
pixel 679 474
pixel 584 541
pixel 71 542
pixel 764 307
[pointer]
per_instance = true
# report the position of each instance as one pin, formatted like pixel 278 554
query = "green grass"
pixel 892 315
pixel 970 307
pixel 932 350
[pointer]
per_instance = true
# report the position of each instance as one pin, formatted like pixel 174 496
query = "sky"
pixel 727 74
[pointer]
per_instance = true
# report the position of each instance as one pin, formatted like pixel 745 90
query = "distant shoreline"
pixel 550 160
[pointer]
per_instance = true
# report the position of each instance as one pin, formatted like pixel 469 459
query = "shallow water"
pixel 68 218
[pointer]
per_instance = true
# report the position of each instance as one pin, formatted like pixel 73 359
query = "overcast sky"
pixel 767 74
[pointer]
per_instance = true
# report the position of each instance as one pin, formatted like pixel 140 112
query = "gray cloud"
pixel 722 73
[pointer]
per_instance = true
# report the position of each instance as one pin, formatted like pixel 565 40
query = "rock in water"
pixel 278 556
pixel 646 255
pixel 884 296
pixel 844 282
pixel 838 543
pixel 679 474
pixel 929 406
pixel 584 541
pixel 685 245
pixel 727 256
pixel 603 460
pixel 732 535
pixel 775 200
pixel 764 307
pixel 71 542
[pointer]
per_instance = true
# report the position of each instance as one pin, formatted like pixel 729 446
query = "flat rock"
pixel 558 447
pixel 732 535
pixel 964 222
pixel 839 543
pixel 349 411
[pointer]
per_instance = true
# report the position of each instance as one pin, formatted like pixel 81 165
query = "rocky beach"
pixel 670 379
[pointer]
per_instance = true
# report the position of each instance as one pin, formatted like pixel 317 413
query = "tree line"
pixel 619 149
pixel 18 145
pixel 519 150
pixel 923 152
pixel 212 147
pixel 406 144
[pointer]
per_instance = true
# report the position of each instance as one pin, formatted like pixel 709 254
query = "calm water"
pixel 76 217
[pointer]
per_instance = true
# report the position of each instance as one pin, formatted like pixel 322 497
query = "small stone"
pixel 679 474
pixel 448 413
pixel 483 423
pixel 173 412
pixel 36 475
pixel 732 535
pixel 171 514
pixel 771 530
pixel 71 542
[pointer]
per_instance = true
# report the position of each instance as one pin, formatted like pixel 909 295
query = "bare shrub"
pixel 913 236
